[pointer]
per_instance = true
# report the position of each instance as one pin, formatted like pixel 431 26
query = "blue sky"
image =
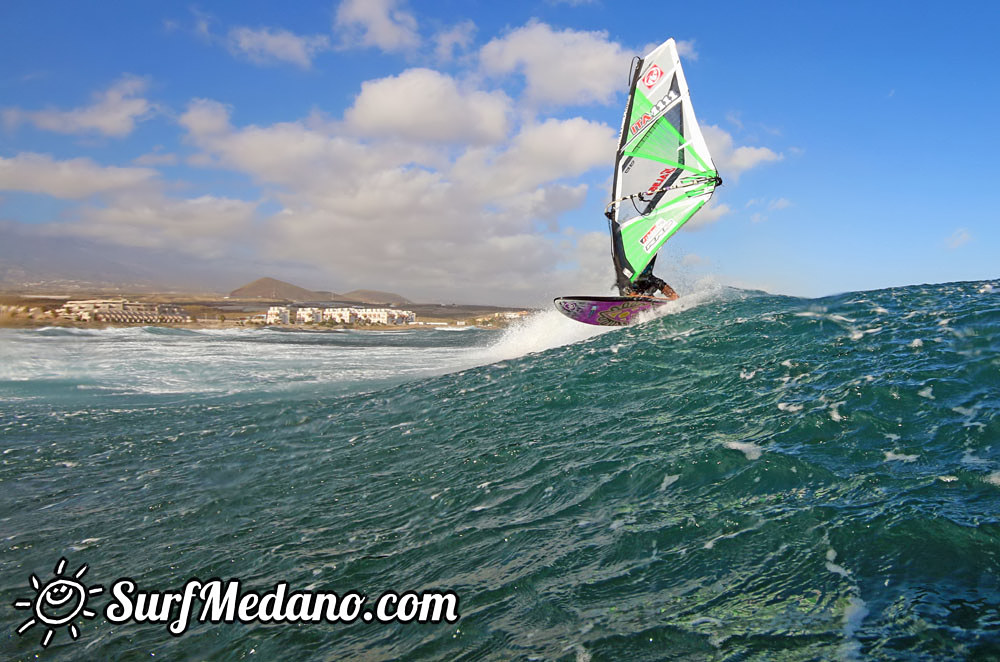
pixel 462 151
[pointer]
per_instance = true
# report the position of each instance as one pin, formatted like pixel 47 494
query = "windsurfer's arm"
pixel 669 292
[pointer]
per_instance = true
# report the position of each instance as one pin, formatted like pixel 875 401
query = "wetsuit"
pixel 646 284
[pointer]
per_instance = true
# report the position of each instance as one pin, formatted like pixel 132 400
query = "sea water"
pixel 746 476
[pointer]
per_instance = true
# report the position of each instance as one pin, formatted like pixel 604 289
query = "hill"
pixel 274 289
pixel 375 296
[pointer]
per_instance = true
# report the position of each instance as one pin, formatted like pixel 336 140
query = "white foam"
pixel 899 457
pixel 831 556
pixel 669 480
pixel 538 332
pixel 917 342
pixel 926 393
pixel 947 479
pixel 973 461
pixel 993 478
pixel 785 406
pixel 854 613
pixel 751 450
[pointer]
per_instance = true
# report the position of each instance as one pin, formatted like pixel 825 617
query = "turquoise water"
pixel 746 477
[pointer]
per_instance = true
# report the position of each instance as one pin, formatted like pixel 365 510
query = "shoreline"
pixel 200 325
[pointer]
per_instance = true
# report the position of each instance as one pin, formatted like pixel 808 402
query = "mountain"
pixel 272 288
pixel 375 296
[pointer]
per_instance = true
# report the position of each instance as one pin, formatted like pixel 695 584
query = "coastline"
pixel 201 325
pixel 24 310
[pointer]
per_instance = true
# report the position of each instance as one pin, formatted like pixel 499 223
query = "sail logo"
pixel 666 172
pixel 652 77
pixel 652 238
pixel 657 108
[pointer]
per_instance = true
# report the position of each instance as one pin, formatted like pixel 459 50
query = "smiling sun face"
pixel 58 602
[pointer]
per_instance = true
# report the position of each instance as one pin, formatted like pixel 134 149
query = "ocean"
pixel 745 477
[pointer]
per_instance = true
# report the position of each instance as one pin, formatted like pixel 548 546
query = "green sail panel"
pixel 663 169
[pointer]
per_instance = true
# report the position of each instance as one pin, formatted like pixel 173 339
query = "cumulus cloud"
pixel 156 158
pixel 266 45
pixel 114 112
pixel 422 104
pixel 458 36
pixel 707 215
pixel 127 205
pixel 379 23
pixel 71 179
pixel 734 161
pixel 540 152
pixel 687 50
pixel 206 226
pixel 434 216
pixel 566 67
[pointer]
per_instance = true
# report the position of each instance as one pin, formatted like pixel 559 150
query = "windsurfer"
pixel 647 284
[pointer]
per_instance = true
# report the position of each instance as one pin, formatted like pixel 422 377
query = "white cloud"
pixel 707 215
pixel 130 208
pixel 71 179
pixel 266 45
pixel 378 23
pixel 561 67
pixel 458 36
pixel 156 158
pixel 541 152
pixel 780 203
pixel 207 226
pixel 734 161
pixel 113 113
pixel 687 50
pixel 438 218
pixel 422 104
pixel 959 237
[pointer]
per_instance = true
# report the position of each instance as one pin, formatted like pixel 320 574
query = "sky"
pixel 462 151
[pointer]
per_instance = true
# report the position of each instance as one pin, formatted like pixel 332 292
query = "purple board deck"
pixel 606 311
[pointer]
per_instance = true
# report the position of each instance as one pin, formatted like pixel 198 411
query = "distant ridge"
pixel 272 288
pixel 278 290
pixel 375 296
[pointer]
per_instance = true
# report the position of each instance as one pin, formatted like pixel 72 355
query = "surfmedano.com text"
pixel 225 602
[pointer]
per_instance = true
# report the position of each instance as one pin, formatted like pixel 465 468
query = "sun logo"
pixel 58 602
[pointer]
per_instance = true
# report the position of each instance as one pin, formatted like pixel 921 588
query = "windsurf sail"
pixel 663 171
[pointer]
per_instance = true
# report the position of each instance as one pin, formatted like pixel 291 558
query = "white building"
pixel 288 315
pixel 278 315
pixel 122 310
pixel 308 315
pixel 339 315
